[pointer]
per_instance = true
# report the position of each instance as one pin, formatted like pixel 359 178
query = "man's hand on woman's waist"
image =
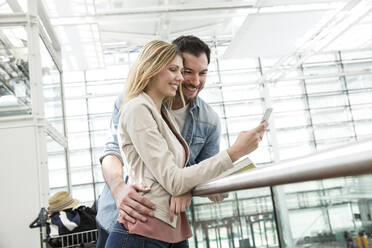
pixel 131 205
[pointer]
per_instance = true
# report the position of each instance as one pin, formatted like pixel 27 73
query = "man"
pixel 200 127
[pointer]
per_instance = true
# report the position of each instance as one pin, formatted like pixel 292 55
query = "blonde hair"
pixel 154 57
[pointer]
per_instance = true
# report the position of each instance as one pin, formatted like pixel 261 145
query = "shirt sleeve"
pixel 112 144
pixel 212 143
pixel 152 147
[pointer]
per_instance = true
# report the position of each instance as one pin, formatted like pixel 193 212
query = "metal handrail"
pixel 350 160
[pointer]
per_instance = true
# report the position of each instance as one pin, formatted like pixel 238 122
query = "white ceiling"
pixel 91 29
pixel 272 34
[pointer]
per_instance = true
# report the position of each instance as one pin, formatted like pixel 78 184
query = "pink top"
pixel 157 229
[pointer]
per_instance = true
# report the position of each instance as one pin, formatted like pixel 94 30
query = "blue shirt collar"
pixel 195 103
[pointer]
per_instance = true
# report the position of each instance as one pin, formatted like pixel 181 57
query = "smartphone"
pixel 267 114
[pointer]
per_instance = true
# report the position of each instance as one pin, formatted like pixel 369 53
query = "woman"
pixel 155 152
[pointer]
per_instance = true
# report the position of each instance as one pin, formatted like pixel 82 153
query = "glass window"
pixel 74 90
pixel 235 125
pixel 57 178
pixel 228 77
pixel 236 64
pixel 363 128
pixel 56 160
pixel 359 82
pixel 99 138
pixel 79 140
pixel 100 122
pixel 323 85
pixel 73 76
pixel 331 100
pixel 81 175
pixel 352 67
pixel 361 97
pixel 307 223
pixel 219 109
pixel 287 88
pixel 76 107
pixel 330 115
pixel 84 193
pixel 98 177
pixel 261 155
pixel 290 104
pixel 291 119
pixel 79 158
pixel 297 135
pixel 97 153
pixel 328 207
pixel 57 164
pixel 52 87
pixel 15 92
pixel 331 143
pixel 241 92
pixel 295 151
pixel 321 58
pixel 244 108
pixel 334 131
pixel 77 124
pixel 356 55
pixel 211 94
pixel 320 70
pixel 114 88
pixel 101 104
pixel 212 79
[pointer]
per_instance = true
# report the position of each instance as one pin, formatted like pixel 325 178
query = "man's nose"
pixel 195 80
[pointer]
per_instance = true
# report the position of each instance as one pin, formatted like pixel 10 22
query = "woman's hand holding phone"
pixel 246 142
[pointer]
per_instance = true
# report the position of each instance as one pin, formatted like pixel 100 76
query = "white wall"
pixel 20 191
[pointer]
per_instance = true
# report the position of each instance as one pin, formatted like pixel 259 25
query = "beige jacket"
pixel 155 157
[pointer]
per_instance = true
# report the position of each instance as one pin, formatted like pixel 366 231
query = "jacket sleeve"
pixel 151 146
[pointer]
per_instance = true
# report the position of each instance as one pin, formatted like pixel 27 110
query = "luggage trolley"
pixel 73 240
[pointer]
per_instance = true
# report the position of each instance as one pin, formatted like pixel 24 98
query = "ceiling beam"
pixel 129 34
pixel 175 9
pixel 152 15
pixel 14 5
pixel 48 26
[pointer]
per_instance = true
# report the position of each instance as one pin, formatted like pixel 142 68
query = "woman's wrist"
pixel 234 155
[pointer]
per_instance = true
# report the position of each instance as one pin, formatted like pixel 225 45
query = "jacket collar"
pixel 195 103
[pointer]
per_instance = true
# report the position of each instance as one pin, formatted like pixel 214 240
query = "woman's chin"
pixel 172 94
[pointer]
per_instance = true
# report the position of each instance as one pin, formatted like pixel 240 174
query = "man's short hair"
pixel 193 45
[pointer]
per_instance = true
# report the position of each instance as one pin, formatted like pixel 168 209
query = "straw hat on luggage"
pixel 61 201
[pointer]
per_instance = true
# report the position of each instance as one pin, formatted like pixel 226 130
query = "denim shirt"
pixel 201 132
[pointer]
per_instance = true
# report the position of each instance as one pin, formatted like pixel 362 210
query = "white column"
pixel 278 194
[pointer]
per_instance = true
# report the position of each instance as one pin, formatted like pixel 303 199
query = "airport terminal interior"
pixel 63 64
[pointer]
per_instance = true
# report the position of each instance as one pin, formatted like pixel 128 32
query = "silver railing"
pixel 350 160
